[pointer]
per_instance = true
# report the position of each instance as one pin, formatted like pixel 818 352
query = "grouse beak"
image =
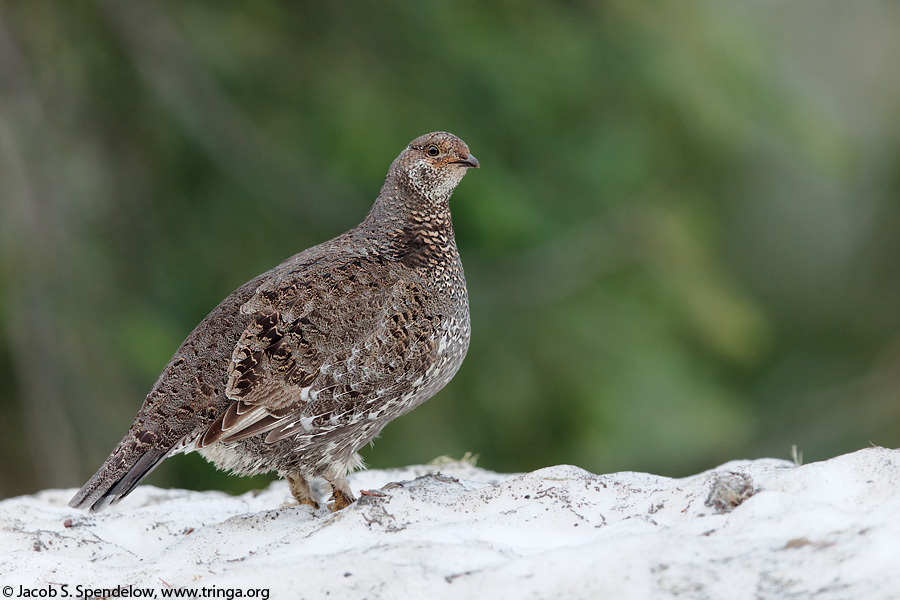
pixel 469 161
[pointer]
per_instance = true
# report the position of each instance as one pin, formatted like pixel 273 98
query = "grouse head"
pixel 433 165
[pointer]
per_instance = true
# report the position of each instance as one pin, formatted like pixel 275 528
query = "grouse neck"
pixel 412 230
pixel 396 211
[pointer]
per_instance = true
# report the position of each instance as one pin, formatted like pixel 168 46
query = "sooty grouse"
pixel 301 367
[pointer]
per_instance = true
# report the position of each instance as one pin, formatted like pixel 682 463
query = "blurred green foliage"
pixel 681 248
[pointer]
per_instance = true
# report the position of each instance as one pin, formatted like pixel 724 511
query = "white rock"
pixel 828 530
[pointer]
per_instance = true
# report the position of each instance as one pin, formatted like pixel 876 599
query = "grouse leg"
pixel 341 496
pixel 300 489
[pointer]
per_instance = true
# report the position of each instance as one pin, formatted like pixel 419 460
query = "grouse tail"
pixel 129 463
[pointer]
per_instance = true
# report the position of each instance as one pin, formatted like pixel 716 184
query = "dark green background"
pixel 682 247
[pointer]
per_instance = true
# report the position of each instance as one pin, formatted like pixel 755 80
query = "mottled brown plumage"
pixel 301 367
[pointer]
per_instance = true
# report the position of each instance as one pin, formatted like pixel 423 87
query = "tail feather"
pixel 116 479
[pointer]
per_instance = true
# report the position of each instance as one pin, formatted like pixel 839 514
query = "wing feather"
pixel 277 365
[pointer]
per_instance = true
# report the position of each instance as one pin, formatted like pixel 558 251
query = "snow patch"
pixel 745 530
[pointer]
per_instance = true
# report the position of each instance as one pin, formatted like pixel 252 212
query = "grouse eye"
pixel 433 151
